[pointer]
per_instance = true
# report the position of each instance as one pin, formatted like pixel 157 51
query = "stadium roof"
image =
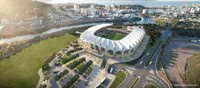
pixel 130 41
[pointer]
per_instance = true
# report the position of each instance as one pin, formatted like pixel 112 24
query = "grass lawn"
pixel 120 76
pixel 88 71
pixel 20 70
pixel 114 36
pixel 149 86
pixel 192 73
pixel 80 67
pixel 65 57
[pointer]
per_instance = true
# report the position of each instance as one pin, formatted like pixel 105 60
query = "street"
pixel 148 74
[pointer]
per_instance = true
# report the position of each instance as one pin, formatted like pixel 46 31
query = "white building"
pixel 145 11
pixel 76 7
pixel 92 7
pixel 113 48
pixel 85 11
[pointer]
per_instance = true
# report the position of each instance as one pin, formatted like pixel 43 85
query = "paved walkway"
pixel 96 76
pixel 41 78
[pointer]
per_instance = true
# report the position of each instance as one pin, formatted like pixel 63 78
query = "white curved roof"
pixel 130 41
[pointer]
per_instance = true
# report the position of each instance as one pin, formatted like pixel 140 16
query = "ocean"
pixel 148 3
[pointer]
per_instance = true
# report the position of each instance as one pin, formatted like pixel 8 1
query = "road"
pixel 147 74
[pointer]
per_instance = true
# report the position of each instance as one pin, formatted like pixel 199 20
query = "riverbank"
pixel 31 39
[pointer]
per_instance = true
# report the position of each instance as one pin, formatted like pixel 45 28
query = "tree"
pixel 45 67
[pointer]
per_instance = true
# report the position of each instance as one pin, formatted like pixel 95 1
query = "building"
pixel 92 7
pixel 76 7
pixel 112 48
pixel 145 11
pixel 85 11
pixel 37 24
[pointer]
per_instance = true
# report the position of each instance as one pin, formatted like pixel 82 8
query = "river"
pixel 53 30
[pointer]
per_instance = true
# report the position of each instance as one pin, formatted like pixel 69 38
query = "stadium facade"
pixel 112 48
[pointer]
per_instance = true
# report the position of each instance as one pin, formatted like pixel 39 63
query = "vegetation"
pixel 21 69
pixel 88 71
pixel 186 28
pixel 74 50
pixel 7 48
pixel 64 58
pixel 148 61
pixel 103 64
pixel 153 33
pixel 45 67
pixel 161 23
pixel 192 69
pixel 76 63
pixel 149 86
pixel 135 82
pixel 120 76
pixel 67 58
pixel 114 36
pixel 70 83
pixel 82 68
pixel 62 74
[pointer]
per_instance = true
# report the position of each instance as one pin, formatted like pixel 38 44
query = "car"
pixel 141 62
pixel 150 63
pixel 147 54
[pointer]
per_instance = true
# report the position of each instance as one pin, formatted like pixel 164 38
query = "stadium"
pixel 111 43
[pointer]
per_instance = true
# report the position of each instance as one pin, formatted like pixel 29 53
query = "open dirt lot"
pixel 174 58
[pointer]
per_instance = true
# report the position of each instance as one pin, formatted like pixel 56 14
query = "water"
pixel 145 21
pixel 148 3
pixel 53 30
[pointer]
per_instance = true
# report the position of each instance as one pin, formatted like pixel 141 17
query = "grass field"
pixel 20 70
pixel 80 67
pixel 120 76
pixel 88 71
pixel 149 86
pixel 65 57
pixel 114 36
pixel 192 73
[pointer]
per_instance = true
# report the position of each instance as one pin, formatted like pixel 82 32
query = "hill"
pixel 9 8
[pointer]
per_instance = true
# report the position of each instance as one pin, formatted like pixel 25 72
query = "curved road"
pixel 147 74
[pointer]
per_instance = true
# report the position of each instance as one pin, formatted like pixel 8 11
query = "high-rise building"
pixel 92 8
pixel 76 7
pixel 85 11
pixel 112 5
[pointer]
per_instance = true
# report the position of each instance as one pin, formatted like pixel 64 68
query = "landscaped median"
pixel 83 67
pixel 71 82
pixel 149 86
pixel 135 82
pixel 60 75
pixel 75 63
pixel 120 76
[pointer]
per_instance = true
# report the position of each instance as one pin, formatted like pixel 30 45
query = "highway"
pixel 147 74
